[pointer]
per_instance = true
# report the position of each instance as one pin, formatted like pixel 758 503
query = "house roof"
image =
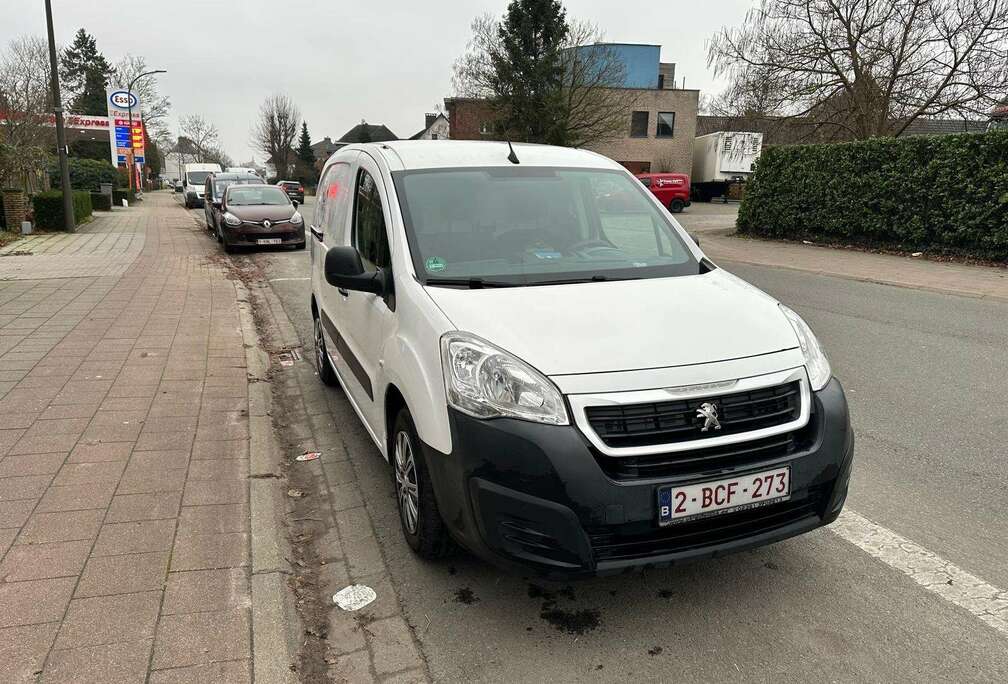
pixel 945 126
pixel 431 120
pixel 365 132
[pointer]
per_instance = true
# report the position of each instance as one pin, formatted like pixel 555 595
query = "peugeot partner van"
pixel 561 382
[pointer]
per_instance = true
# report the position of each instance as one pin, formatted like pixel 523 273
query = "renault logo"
pixel 267 224
pixel 707 412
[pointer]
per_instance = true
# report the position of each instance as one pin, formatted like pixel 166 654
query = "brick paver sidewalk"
pixel 124 459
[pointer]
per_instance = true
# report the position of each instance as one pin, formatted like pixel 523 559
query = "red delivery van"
pixel 671 189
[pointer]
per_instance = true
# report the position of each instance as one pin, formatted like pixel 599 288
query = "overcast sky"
pixel 386 62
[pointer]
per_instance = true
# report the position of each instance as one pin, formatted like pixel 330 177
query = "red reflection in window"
pixel 333 190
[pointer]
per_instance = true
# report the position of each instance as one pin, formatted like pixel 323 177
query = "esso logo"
pixel 123 99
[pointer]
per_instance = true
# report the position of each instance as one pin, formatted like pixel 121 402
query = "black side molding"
pixel 344 350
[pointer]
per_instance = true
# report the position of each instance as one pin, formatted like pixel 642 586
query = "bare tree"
pixel 201 135
pixel 154 107
pixel 274 133
pixel 591 106
pixel 866 67
pixel 25 104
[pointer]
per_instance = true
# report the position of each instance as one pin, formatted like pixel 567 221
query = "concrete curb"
pixel 276 625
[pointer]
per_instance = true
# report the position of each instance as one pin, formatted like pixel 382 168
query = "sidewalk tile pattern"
pixel 124 526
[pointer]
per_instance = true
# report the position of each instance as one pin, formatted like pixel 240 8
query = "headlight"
pixel 231 219
pixel 487 382
pixel 815 358
pixel 296 219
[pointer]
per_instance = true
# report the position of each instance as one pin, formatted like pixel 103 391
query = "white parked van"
pixel 560 378
pixel 193 179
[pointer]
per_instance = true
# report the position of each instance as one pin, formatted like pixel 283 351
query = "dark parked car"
pixel 214 187
pixel 293 189
pixel 253 215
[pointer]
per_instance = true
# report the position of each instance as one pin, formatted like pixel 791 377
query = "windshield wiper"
pixel 471 283
pixel 588 279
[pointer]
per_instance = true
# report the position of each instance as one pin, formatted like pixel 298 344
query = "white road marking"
pixel 929 570
pixel 280 280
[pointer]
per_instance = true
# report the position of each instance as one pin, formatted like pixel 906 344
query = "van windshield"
pixel 197 177
pixel 536 226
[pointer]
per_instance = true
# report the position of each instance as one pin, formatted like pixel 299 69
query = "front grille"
pixel 667 422
pixel 283 222
pixel 697 460
pixel 719 529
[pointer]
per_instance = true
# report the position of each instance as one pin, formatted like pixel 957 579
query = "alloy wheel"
pixel 406 482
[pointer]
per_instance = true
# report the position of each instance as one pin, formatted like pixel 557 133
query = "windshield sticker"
pixel 435 264
pixel 547 254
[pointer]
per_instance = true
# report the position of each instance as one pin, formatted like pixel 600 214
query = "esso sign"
pixel 122 99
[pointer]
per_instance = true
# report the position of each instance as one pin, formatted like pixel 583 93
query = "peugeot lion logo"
pixel 708 413
pixel 267 224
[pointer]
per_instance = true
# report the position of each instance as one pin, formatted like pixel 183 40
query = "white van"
pixel 193 179
pixel 560 378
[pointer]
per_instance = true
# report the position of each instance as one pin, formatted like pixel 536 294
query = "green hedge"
pixel 101 202
pixel 86 174
pixel 119 195
pixel 49 208
pixel 942 194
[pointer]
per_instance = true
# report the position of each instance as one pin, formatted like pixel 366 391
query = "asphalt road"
pixel 924 374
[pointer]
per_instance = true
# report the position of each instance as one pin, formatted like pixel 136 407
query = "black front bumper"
pixel 533 496
pixel 248 235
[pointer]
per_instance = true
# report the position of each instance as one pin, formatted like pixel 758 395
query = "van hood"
pixel 624 325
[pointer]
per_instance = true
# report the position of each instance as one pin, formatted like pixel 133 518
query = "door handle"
pixel 316 233
pixel 342 292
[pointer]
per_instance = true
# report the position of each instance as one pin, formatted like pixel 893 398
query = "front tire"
pixel 419 517
pixel 325 370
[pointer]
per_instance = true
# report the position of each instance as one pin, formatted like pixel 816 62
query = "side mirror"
pixel 217 203
pixel 696 238
pixel 295 203
pixel 344 269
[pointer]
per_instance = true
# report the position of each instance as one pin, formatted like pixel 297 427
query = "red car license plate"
pixel 676 504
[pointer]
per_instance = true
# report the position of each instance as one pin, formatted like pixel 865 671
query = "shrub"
pixel 49 208
pixel 101 202
pixel 941 194
pixel 119 195
pixel 86 174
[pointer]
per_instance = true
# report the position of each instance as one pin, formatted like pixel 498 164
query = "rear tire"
pixel 419 517
pixel 325 370
pixel 676 206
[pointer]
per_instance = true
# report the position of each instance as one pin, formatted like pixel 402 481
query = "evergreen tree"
pixel 85 74
pixel 305 158
pixel 304 150
pixel 528 70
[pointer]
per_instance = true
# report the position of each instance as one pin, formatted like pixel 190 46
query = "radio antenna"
pixel 512 157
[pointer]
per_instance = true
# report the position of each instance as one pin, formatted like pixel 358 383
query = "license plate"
pixel 676 504
pixel 269 241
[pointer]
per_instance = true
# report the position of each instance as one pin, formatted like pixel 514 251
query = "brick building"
pixel 660 126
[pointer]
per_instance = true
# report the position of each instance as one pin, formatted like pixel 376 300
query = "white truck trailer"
pixel 722 159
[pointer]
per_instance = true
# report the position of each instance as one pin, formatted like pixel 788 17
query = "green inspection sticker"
pixel 435 264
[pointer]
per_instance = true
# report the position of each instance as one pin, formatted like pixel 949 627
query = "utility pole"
pixel 68 213
pixel 129 104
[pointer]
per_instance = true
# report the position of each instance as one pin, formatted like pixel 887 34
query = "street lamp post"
pixel 68 215
pixel 129 109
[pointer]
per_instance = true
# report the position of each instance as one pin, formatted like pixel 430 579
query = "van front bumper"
pixel 532 496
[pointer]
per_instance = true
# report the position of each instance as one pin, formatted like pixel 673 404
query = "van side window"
pixel 331 213
pixel 369 235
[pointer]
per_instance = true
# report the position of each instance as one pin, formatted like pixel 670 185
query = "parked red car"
pixel 671 189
